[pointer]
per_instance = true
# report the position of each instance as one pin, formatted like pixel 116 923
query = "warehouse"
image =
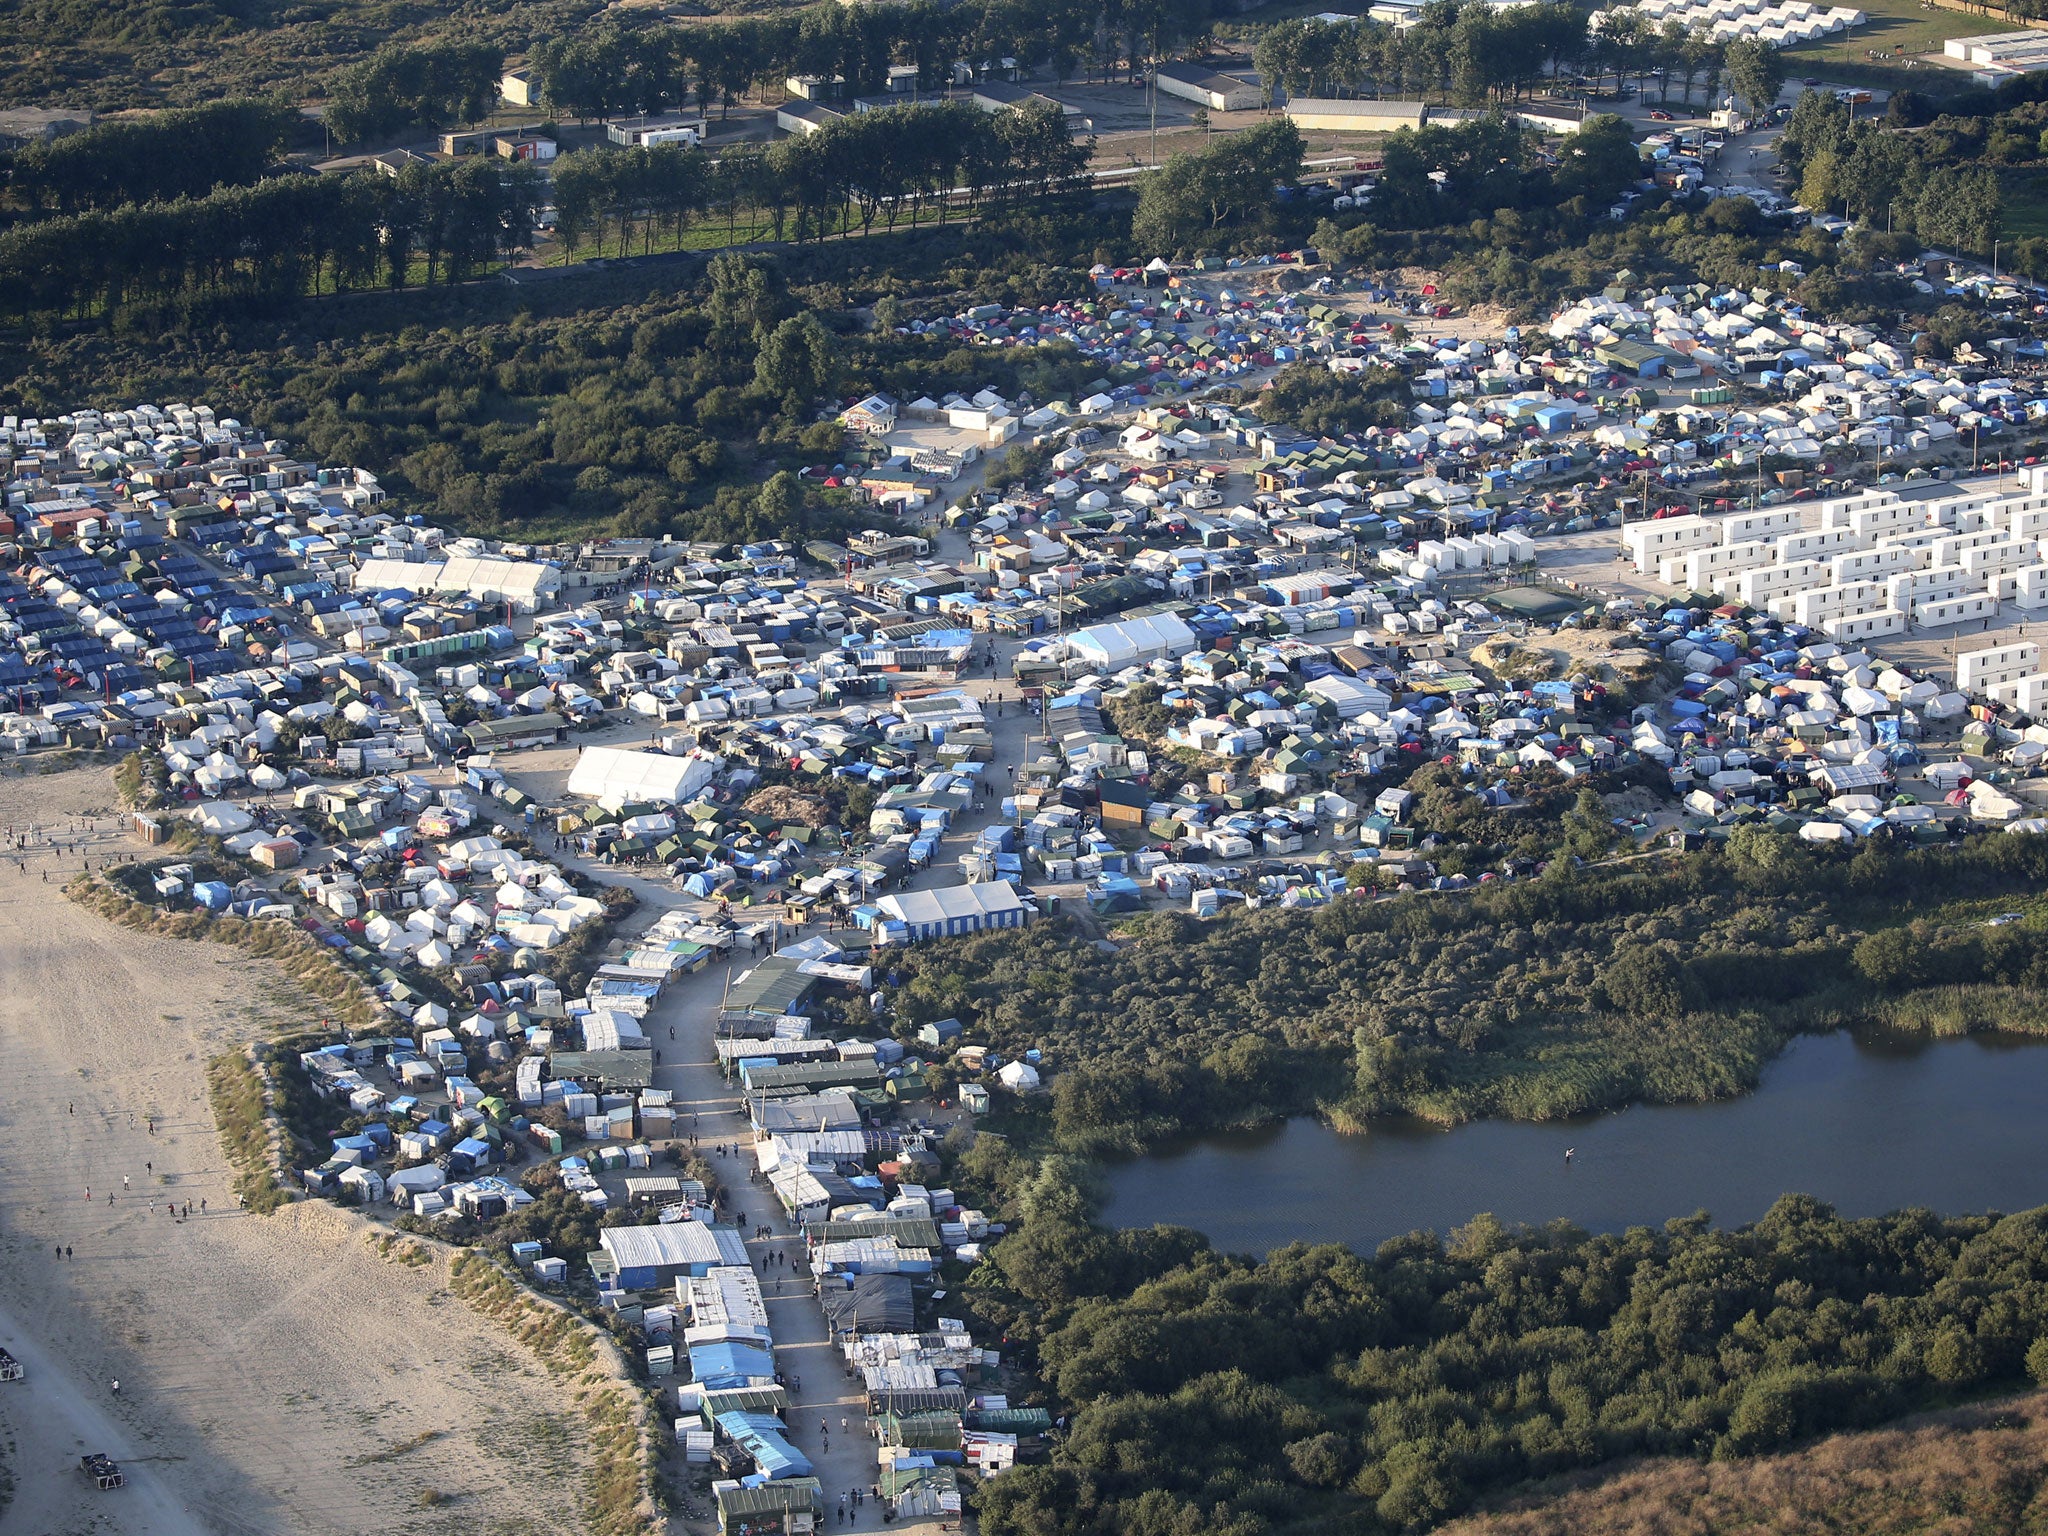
pixel 650 1257
pixel 1206 88
pixel 526 584
pixel 956 909
pixel 1112 647
pixel 1355 116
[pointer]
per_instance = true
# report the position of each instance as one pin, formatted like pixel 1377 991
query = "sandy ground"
pixel 275 1372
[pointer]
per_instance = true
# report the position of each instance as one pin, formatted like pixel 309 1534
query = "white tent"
pixel 1112 647
pixel 618 776
pixel 222 819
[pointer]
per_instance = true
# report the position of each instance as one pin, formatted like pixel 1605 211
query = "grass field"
pixel 1901 30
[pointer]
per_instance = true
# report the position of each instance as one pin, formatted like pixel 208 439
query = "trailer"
pixel 104 1471
pixel 10 1368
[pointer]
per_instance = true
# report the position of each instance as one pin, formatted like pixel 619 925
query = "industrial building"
pixel 1206 88
pixel 1310 113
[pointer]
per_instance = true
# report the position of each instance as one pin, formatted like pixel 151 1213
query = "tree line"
pixel 185 152
pixel 615 69
pixel 1472 53
pixel 887 165
pixel 271 243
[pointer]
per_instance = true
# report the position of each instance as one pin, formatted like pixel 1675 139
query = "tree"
pixel 415 85
pixel 796 362
pixel 1959 207
pixel 160 157
pixel 1647 982
pixel 1233 181
pixel 1598 161
pixel 1756 73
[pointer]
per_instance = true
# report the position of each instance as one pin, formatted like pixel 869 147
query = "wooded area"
pixel 1320 1390
pixel 1662 980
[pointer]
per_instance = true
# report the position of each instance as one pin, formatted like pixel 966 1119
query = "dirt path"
pixel 61 1418
pixel 276 1374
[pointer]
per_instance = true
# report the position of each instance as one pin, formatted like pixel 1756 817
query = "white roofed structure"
pixel 617 776
pixel 489 578
pixel 1129 642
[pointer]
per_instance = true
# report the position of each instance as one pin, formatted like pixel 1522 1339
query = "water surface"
pixel 1869 1124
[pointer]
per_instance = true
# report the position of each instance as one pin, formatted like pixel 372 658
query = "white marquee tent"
pixel 615 776
pixel 1112 647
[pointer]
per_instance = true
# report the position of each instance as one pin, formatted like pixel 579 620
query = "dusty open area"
pixel 276 1374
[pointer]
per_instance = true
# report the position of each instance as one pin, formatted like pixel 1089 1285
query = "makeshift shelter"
pixel 869 1304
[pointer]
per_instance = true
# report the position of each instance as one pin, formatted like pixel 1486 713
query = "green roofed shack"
pixel 1538 604
pixel 780 1508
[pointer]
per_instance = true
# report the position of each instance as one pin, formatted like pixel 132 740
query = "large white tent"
pixel 615 776
pixel 1112 647
pixel 490 578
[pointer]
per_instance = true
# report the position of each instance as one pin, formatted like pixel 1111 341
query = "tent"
pixel 1112 647
pixel 616 776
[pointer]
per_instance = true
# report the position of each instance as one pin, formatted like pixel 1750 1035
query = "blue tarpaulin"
pixel 729 1363
pixel 762 1436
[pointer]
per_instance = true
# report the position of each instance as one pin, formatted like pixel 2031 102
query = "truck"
pixel 104 1471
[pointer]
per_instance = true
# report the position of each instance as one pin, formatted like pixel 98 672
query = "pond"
pixel 1867 1123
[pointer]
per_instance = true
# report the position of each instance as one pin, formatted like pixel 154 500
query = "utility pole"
pixel 1152 88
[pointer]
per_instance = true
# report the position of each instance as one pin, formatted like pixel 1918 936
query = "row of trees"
pixel 415 85
pixel 1473 53
pixel 186 152
pixel 613 69
pixel 888 164
pixel 272 242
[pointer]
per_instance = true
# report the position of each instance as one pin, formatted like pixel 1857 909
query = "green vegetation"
pixel 1933 179
pixel 113 55
pixel 244 1118
pixel 887 165
pixel 157 158
pixel 1322 1391
pixel 1224 192
pixel 267 245
pixel 617 68
pixel 1663 980
pixel 415 85
pixel 623 402
pixel 1472 54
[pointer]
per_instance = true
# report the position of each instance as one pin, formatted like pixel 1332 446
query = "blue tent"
pixel 729 1363
pixel 762 1436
